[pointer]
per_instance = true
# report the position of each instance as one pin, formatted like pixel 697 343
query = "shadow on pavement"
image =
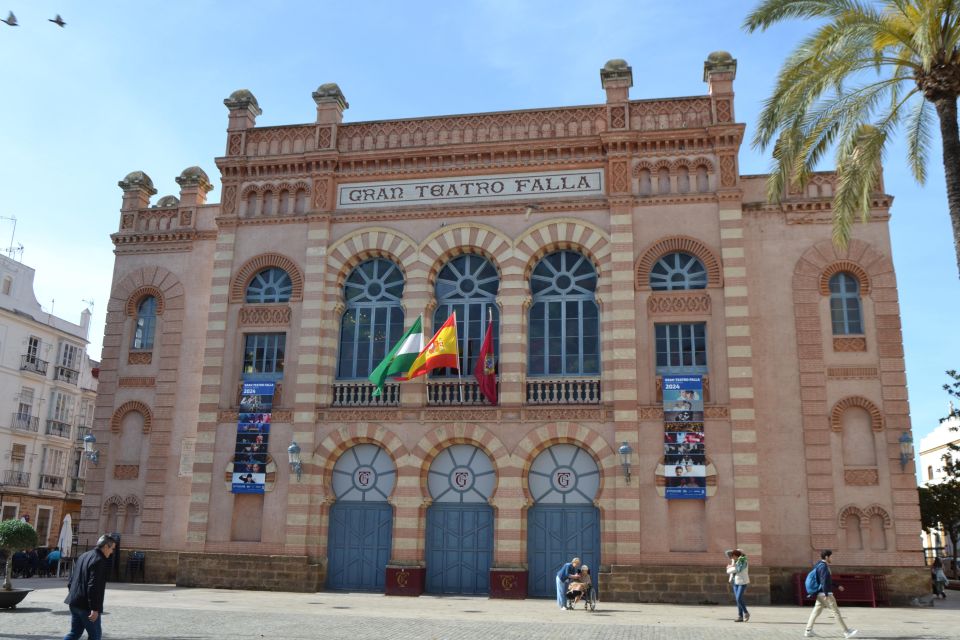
pixel 25 610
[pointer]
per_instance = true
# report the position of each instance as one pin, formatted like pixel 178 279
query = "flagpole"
pixel 456 338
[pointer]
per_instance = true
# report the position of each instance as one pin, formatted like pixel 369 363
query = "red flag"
pixel 485 371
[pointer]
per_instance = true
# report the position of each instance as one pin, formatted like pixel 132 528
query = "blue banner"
pixel 684 454
pixel 253 438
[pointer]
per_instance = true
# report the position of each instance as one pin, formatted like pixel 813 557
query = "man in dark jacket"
pixel 825 597
pixel 88 580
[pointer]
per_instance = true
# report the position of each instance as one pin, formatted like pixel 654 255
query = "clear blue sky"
pixel 140 85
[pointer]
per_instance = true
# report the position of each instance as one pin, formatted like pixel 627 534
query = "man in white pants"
pixel 825 597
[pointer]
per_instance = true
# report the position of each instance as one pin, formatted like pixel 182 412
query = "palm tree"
pixel 870 67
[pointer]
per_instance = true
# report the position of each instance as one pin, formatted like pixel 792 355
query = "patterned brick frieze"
pixel 850 344
pixel 264 315
pixel 126 471
pixel 140 357
pixel 853 373
pixel 861 477
pixel 136 382
pixel 678 303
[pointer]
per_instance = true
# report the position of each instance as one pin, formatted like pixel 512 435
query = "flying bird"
pixel 11 20
pixel 57 21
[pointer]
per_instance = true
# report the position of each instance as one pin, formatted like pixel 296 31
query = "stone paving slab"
pixel 148 612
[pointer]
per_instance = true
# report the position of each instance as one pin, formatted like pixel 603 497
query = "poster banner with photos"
pixel 684 457
pixel 253 438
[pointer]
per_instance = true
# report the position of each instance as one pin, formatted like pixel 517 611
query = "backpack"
pixel 812 583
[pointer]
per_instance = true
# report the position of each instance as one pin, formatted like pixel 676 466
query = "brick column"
pixel 318 330
pixel 739 351
pixel 204 475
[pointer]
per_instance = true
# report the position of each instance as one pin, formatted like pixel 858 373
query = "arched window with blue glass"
pixel 272 284
pixel 146 324
pixel 468 284
pixel 373 320
pixel 564 319
pixel 678 271
pixel 845 310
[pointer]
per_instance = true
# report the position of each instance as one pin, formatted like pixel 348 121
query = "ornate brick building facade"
pixel 615 244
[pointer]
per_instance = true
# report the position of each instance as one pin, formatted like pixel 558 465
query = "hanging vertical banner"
pixel 684 456
pixel 253 437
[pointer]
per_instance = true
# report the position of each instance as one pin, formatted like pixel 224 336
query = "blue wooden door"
pixel 557 534
pixel 459 544
pixel 563 523
pixel 459 548
pixel 359 547
pixel 361 520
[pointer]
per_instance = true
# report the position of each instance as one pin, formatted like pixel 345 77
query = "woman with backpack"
pixel 740 577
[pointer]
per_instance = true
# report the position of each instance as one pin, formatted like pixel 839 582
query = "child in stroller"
pixel 581 589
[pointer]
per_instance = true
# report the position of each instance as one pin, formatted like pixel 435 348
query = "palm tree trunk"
pixel 947 111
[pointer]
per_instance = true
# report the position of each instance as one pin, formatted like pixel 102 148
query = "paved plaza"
pixel 147 612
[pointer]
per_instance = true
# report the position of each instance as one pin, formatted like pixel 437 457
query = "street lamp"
pixel 293 452
pixel 906 449
pixel 625 450
pixel 89 452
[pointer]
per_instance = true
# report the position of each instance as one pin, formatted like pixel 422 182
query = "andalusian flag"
pixel 400 358
pixel 440 352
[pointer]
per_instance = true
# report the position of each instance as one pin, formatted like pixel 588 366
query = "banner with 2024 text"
pixel 253 438
pixel 684 454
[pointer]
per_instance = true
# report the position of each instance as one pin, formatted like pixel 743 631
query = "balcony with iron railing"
pixel 24 422
pixel 70 376
pixel 82 432
pixel 454 392
pixel 563 391
pixel 51 482
pixel 16 479
pixel 360 394
pixel 34 364
pixel 77 485
pixel 57 428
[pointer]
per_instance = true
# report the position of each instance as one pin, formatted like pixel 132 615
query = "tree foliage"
pixel 871 69
pixel 14 536
pixel 940 502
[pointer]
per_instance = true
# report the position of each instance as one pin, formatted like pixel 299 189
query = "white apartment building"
pixel 48 386
pixel 930 468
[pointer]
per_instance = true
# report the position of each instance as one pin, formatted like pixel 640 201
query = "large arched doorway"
pixel 361 520
pixel 563 523
pixel 459 544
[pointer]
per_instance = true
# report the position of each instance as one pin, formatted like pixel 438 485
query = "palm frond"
pixel 859 160
pixel 919 138
pixel 771 12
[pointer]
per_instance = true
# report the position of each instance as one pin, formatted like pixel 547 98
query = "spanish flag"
pixel 440 352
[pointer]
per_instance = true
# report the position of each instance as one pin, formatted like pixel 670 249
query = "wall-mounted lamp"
pixel 89 452
pixel 906 449
pixel 293 452
pixel 625 450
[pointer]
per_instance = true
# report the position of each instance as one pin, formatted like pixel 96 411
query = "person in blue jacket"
pixel 567 571
pixel 825 599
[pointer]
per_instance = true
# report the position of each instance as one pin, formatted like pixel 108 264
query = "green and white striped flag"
pixel 400 358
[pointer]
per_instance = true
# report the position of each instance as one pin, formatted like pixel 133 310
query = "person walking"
pixel 88 581
pixel 740 577
pixel 824 595
pixel 567 571
pixel 939 578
